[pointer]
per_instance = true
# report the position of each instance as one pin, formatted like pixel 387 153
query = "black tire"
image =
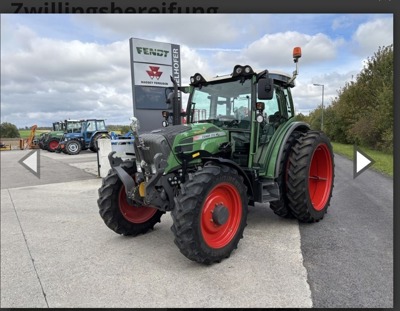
pixel 72 147
pixel 93 146
pixel 117 214
pixel 281 207
pixel 310 177
pixel 201 233
pixel 52 144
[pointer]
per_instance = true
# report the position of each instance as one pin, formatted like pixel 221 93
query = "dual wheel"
pixel 305 177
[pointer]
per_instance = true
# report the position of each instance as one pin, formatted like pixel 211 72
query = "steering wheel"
pixel 233 123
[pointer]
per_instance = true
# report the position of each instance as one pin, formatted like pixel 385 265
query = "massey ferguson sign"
pixel 152 64
pixel 152 75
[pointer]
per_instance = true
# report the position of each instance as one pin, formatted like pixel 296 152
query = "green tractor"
pixel 49 141
pixel 240 145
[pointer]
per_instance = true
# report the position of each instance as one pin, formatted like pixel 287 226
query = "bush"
pixel 8 130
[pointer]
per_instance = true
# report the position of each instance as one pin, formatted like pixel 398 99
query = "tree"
pixel 362 112
pixel 301 117
pixel 8 130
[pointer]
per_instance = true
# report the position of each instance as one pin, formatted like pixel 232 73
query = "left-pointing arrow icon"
pixel 32 162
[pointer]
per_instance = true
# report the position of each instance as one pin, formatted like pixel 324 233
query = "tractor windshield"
pixel 101 126
pixel 58 126
pixel 226 104
pixel 74 127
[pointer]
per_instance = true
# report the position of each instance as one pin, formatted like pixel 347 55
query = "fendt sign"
pixel 150 51
pixel 152 64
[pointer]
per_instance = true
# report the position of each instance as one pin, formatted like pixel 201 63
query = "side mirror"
pixel 265 88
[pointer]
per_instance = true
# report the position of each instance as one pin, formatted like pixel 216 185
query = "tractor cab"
pixel 91 127
pixel 58 126
pixel 73 126
pixel 250 106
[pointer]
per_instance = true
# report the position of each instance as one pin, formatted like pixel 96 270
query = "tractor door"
pixel 101 126
pixel 90 130
pixel 275 113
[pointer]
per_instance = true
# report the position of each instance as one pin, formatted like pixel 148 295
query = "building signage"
pixel 145 51
pixel 152 75
pixel 152 65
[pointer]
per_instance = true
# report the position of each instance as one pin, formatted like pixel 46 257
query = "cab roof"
pixel 279 77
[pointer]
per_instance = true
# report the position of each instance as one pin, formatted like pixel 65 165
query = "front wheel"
pixel 72 147
pixel 210 214
pixel 310 177
pixel 52 144
pixel 118 214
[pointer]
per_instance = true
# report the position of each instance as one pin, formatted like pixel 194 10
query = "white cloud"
pixel 46 79
pixel 275 50
pixel 196 30
pixel 369 36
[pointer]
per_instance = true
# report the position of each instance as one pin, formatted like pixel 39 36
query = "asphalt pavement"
pixel 56 251
pixel 349 254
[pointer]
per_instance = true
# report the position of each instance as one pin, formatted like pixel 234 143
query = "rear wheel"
pixel 52 145
pixel 72 147
pixel 281 207
pixel 210 216
pixel 310 177
pixel 118 214
pixel 93 146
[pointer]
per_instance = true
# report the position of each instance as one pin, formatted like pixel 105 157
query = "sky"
pixel 60 66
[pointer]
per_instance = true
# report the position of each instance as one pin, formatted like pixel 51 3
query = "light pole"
pixel 322 106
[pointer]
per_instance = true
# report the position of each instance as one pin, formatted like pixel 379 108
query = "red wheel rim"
pixel 320 177
pixel 53 145
pixel 133 213
pixel 218 236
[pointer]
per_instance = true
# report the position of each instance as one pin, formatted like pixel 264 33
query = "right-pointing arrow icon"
pixel 361 162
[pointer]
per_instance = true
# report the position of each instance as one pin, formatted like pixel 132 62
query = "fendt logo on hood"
pixel 153 72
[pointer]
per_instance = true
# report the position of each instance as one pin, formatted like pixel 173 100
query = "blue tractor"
pixel 91 130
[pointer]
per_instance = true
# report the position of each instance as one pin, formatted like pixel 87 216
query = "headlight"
pixel 197 79
pixel 242 71
pixel 260 118
pixel 138 167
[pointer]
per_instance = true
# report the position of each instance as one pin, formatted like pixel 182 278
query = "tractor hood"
pixel 174 140
pixel 73 135
pixel 191 137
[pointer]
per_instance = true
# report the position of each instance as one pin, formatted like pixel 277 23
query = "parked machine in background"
pixel 52 139
pixel 49 141
pixel 31 142
pixel 86 138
